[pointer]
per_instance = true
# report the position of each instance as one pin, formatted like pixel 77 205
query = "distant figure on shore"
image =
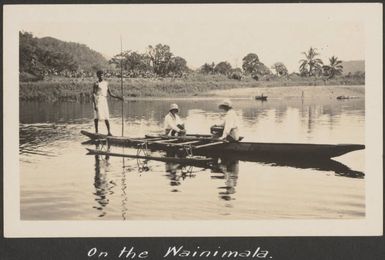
pixel 173 125
pixel 230 123
pixel 99 99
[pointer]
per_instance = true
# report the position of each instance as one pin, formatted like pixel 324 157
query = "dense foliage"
pixel 254 67
pixel 280 69
pixel 207 68
pixel 40 57
pixel 46 56
pixel 223 68
pixel 157 61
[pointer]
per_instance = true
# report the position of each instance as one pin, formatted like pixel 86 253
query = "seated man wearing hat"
pixel 173 125
pixel 230 123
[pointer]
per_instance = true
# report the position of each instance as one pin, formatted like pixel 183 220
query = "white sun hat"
pixel 174 107
pixel 226 102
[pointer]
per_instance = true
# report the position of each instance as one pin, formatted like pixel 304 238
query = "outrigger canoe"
pixel 207 146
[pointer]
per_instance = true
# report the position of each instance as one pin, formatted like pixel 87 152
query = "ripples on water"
pixel 60 182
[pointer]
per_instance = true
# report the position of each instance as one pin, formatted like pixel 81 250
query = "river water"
pixel 60 182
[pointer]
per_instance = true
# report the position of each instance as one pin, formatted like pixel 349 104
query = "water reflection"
pixel 103 187
pixel 124 192
pixel 323 121
pixel 338 168
pixel 176 173
pixel 53 130
pixel 227 170
pixel 154 110
pixel 224 168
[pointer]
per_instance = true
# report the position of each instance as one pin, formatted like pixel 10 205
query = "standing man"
pixel 173 125
pixel 230 123
pixel 99 100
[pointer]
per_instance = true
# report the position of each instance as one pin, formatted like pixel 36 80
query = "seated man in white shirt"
pixel 173 125
pixel 230 123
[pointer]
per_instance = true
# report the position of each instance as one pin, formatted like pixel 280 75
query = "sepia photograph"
pixel 235 119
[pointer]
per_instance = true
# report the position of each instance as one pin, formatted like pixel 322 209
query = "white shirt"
pixel 171 121
pixel 231 125
pixel 102 89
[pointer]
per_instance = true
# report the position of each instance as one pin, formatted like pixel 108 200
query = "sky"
pixel 208 33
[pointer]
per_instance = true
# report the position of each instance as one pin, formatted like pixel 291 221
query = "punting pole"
pixel 121 88
pixel 121 81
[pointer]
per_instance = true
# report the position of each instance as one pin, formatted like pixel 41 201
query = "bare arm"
pixel 95 87
pixel 112 95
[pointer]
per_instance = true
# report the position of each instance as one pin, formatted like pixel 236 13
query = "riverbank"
pixel 294 92
pixel 79 89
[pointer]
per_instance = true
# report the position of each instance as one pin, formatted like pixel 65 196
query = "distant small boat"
pixel 261 98
pixel 346 97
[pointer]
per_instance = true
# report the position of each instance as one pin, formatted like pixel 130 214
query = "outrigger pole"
pixel 121 82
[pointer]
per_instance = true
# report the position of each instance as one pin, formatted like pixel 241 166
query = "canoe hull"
pixel 247 149
pixel 292 150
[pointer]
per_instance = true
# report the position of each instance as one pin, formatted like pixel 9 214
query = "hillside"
pixel 42 56
pixel 353 66
pixel 84 57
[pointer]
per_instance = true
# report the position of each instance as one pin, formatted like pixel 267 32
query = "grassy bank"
pixel 65 89
pixel 308 92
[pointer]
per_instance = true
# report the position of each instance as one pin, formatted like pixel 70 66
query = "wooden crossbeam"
pixel 146 139
pixel 185 143
pixel 209 144
pixel 135 139
pixel 184 137
pixel 199 135
pixel 163 141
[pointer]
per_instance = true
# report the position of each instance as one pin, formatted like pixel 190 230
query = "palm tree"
pixel 334 68
pixel 311 64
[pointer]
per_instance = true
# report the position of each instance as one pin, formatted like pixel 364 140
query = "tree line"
pixel 39 57
pixel 158 61
pixel 48 56
pixel 311 66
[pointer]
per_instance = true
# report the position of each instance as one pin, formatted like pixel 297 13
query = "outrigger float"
pixel 206 145
pixel 191 161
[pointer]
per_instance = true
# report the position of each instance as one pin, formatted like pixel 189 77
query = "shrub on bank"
pixel 27 77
